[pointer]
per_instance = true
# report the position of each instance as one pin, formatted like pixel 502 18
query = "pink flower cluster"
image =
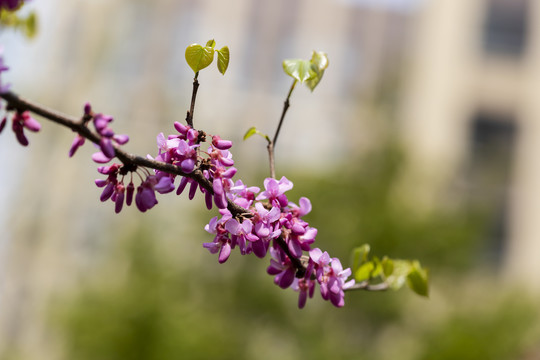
pixel 275 225
pixel 183 150
pixel 270 224
pixel 266 223
pixel 107 136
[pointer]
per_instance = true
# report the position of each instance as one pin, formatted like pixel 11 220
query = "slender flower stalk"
pixel 272 143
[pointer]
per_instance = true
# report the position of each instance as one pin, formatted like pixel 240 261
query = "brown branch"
pixel 189 116
pixel 272 143
pixel 15 102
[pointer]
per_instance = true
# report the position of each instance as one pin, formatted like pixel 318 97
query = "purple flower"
pixel 120 139
pixel 77 143
pixel 101 124
pixel 110 183
pixel 130 190
pixel 266 228
pixel 100 158
pixel 220 158
pixel 266 221
pixel 282 267
pixel 221 182
pixel 186 155
pixel 194 185
pixel 303 209
pixel 87 109
pixel 221 144
pixel 118 197
pixel 243 195
pixel 21 121
pixel 187 133
pixel 331 277
pixel 222 242
pixel 305 288
pixel 145 199
pixel 274 191
pixel 241 234
pixel 320 259
pixel 165 182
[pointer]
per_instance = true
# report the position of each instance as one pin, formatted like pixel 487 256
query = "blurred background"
pixel 421 140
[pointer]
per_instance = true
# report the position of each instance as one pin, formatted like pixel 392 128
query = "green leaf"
pixel 223 59
pixel 400 270
pixel 377 267
pixel 388 266
pixel 30 28
pixel 364 271
pixel 418 279
pixel 319 59
pixel 253 131
pixel 299 69
pixel 211 43
pixel 319 62
pixel 199 57
pixel 360 256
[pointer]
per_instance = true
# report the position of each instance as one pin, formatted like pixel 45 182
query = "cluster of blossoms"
pixel 275 225
pixel 269 223
pixel 107 136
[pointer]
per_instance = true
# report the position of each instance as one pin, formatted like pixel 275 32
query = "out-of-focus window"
pixel 492 145
pixel 505 27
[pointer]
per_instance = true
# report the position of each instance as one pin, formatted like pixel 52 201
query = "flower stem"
pixel 272 143
pixel 189 116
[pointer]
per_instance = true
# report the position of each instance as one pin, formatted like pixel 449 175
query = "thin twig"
pixel 365 285
pixel 272 144
pixel 189 116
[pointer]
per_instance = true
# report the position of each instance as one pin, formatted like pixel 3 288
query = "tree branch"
pixel 15 102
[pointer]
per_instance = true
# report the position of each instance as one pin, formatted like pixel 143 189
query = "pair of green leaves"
pixel 309 72
pixel 198 57
pixel 395 273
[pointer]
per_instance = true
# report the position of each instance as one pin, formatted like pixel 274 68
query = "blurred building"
pixel 471 106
